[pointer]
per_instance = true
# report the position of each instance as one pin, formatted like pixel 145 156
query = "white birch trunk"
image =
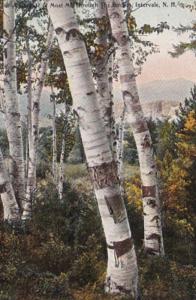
pixel 61 170
pixel 122 272
pixel 27 148
pixel 54 145
pixel 2 101
pixel 61 178
pixel 34 135
pixel 114 137
pixel 153 238
pixel 102 69
pixel 30 101
pixel 13 122
pixel 120 146
pixel 10 206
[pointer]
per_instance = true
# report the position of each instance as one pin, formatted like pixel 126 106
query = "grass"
pixel 77 174
pixel 76 171
pixel 130 170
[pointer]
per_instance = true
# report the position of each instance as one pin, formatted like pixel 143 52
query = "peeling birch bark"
pixel 103 71
pixel 10 206
pixel 122 272
pixel 120 146
pixel 13 122
pixel 34 134
pixel 153 238
pixel 2 101
pixel 113 137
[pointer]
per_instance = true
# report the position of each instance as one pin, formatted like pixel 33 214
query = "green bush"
pixel 162 278
pixel 57 248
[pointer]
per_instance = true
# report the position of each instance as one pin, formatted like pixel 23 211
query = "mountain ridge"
pixel 175 90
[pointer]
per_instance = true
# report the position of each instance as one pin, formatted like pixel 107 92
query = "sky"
pixel 161 66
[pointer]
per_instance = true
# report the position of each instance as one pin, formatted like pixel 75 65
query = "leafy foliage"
pixel 182 47
pixel 175 144
pixel 57 249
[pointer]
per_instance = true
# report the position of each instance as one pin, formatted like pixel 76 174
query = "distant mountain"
pixel 159 90
pixel 159 98
pixel 173 90
pixel 170 91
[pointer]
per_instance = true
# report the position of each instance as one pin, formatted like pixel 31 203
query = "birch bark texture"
pixel 54 137
pixel 122 272
pixel 153 237
pixel 120 145
pixel 10 206
pixel 61 177
pixel 34 126
pixel 13 121
pixel 30 99
pixel 103 70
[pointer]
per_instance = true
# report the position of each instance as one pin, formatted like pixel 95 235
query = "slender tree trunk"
pixel 102 70
pixel 61 170
pixel 61 164
pixel 54 145
pixel 10 206
pixel 114 137
pixel 27 148
pixel 122 272
pixel 153 238
pixel 31 170
pixel 34 134
pixel 29 108
pixel 2 101
pixel 120 147
pixel 13 122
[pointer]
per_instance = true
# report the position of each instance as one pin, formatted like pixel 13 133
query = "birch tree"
pixel 153 238
pixel 10 206
pixel 122 272
pixel 61 177
pixel 30 99
pixel 54 142
pixel 34 125
pixel 103 67
pixel 13 122
pixel 120 147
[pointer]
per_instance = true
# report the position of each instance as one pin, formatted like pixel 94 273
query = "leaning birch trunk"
pixel 54 145
pixel 153 238
pixel 13 122
pixel 34 134
pixel 122 272
pixel 10 206
pixel 61 178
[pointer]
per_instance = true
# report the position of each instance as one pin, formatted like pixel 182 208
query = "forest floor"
pixel 61 253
